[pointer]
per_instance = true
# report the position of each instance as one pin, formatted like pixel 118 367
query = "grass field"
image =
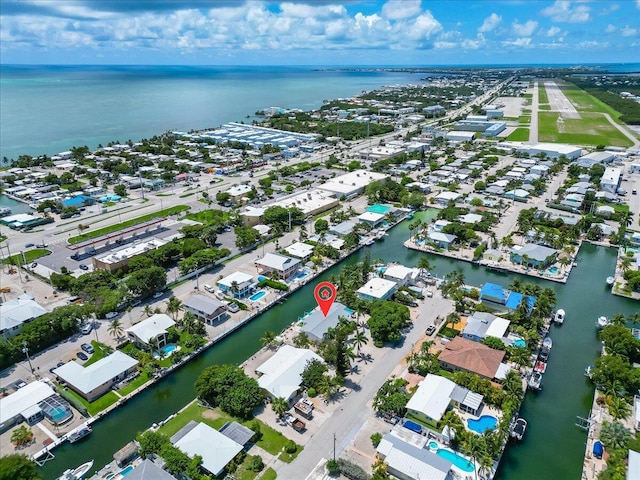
pixel 542 94
pixel 129 223
pixel 29 256
pixel 519 135
pixel 585 102
pixel 525 119
pixel 591 129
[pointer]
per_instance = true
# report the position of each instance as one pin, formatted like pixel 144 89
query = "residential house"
pixel 499 298
pixel 377 289
pixel 215 449
pixel 471 218
pixel 147 470
pixel 315 324
pixel 152 332
pixel 439 225
pixel 22 405
pixel 443 198
pixel 441 240
pixel 239 192
pixel 372 219
pixel 401 275
pixel 434 396
pixel 95 380
pixel 302 251
pixel 238 284
pixel 279 266
pixel 465 355
pixel 519 194
pixel 409 462
pixel 207 309
pixel 280 375
pixel 15 313
pixel 481 325
pixel 343 228
pixel 492 255
pixel 611 178
pixel 533 255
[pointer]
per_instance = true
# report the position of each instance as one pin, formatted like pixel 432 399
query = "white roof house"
pixel 377 289
pixel 446 196
pixel 88 379
pixel 22 400
pixel 610 180
pixel 239 190
pixel 471 218
pixel 215 449
pixel 281 374
pixel 401 274
pixel 14 313
pixel 282 265
pixel 407 461
pixel 151 328
pixel 371 218
pixel 433 396
pixel 240 278
pixel 299 250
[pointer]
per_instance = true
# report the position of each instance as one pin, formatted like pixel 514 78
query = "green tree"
pixel 115 328
pixel 321 226
pixel 14 466
pixel 614 435
pixel 313 374
pixel 619 408
pixel 268 339
pixel 279 406
pixel 174 304
pixel 246 236
pixel 120 190
pixel 147 281
pixel 387 320
pixel 392 397
pixel 21 436
pixel 152 442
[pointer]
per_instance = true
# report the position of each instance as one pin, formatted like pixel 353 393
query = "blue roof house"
pixel 499 298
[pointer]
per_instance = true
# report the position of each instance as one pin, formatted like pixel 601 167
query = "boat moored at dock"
pixel 79 433
pixel 602 322
pixel 610 280
pixel 559 316
pixel 535 381
pixel 77 473
pixel 519 428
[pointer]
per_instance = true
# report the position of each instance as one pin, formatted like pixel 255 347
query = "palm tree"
pixel 614 435
pixel 115 328
pixel 625 264
pixel 452 319
pixel 512 385
pixel 174 304
pixel 475 448
pixel 234 288
pixel 268 339
pixel 190 323
pixel 619 408
pixel 618 319
pixel 424 264
pixel 279 406
pixel 21 436
pixel 148 311
pixel 360 339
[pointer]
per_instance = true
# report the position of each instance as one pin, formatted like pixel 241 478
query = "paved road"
pixel 623 130
pixel 346 421
pixel 535 105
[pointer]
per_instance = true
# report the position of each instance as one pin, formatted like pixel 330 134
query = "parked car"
pixel 111 315
pixel 233 308
pixel 82 266
pixel 87 348
pixel 86 328
pixel 430 330
pixel 158 294
pixel 42 245
pixel 29 245
pixel 34 264
pixel 82 356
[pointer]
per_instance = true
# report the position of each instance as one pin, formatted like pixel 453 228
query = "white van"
pixel 209 288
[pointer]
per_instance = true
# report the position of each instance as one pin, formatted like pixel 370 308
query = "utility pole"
pixel 25 350
pixel 334 447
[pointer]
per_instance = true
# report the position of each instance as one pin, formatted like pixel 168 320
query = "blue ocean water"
pixel 48 109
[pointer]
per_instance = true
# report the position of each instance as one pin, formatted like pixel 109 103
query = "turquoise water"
pixel 377 208
pixel 167 349
pixel 433 445
pixel 257 296
pixel 301 274
pixel 15 206
pixel 519 343
pixel 482 424
pixel 58 413
pixel 120 103
pixel 554 270
pixel 348 311
pixel 126 471
pixel 458 460
pixel 262 278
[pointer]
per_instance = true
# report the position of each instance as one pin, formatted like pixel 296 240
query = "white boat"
pixel 380 235
pixel 559 316
pixel 76 473
pixel 547 343
pixel 369 242
pixel 79 433
pixel 602 321
pixel 610 280
pixel 519 428
pixel 535 382
pixel 588 371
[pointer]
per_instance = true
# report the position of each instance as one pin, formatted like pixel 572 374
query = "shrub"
pixel 333 467
pixel 376 438
pixel 352 471
pixel 312 392
pixel 290 446
pixel 256 464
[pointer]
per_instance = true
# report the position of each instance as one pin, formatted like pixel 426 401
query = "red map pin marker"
pixel 325 293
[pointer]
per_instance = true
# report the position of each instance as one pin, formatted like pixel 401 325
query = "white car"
pixel 158 294
pixel 111 315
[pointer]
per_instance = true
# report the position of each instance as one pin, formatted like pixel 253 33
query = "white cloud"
pixel 628 31
pixel 491 22
pixel 525 29
pixel 518 42
pixel 610 29
pixel 562 11
pixel 401 9
pixel 553 31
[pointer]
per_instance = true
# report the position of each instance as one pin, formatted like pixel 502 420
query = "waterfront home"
pixel 15 313
pixel 434 396
pixel 207 309
pixel 316 324
pixel 377 289
pixel 238 284
pixel 471 218
pixel 401 275
pixel 215 449
pixel 497 297
pixel 492 255
pixel 343 228
pixel 328 239
pixel 410 462
pixel 372 219
pixel 280 375
pixel 302 251
pixel 533 255
pixel 443 198
pixel 481 325
pixel 439 225
pixel 22 405
pixel 276 265
pixel 98 378
pixel 147 470
pixel 441 240
pixel 465 355
pixel 151 332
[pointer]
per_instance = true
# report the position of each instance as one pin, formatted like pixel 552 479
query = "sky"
pixel 319 32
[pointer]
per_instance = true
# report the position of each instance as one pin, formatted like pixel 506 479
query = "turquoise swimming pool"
pixel 482 424
pixel 377 208
pixel 168 349
pixel 553 270
pixel 257 296
pixel 127 470
pixel 458 460
pixel 348 311
pixel 519 343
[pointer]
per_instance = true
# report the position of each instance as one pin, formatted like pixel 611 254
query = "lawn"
pixel 584 102
pixel 243 472
pixel 137 382
pixel 525 119
pixel 591 129
pixel 542 94
pixel 519 135
pixel 97 405
pixel 99 353
pixel 290 457
pixel 272 441
pixel 29 256
pixel 269 474
pixel 129 223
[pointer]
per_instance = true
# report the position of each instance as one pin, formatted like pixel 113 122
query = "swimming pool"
pixel 377 208
pixel 168 349
pixel 482 424
pixel 553 270
pixel 458 460
pixel 413 426
pixel 348 311
pixel 127 470
pixel 433 445
pixel 519 343
pixel 257 296
pixel 301 274
pixel 262 278
pixel 58 414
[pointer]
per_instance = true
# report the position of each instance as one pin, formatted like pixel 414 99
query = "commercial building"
pixel 352 184
pixel 120 257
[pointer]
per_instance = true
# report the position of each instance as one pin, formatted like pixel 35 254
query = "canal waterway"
pixel 553 447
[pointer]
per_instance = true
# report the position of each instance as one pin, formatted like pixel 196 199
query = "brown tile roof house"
pixel 470 356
